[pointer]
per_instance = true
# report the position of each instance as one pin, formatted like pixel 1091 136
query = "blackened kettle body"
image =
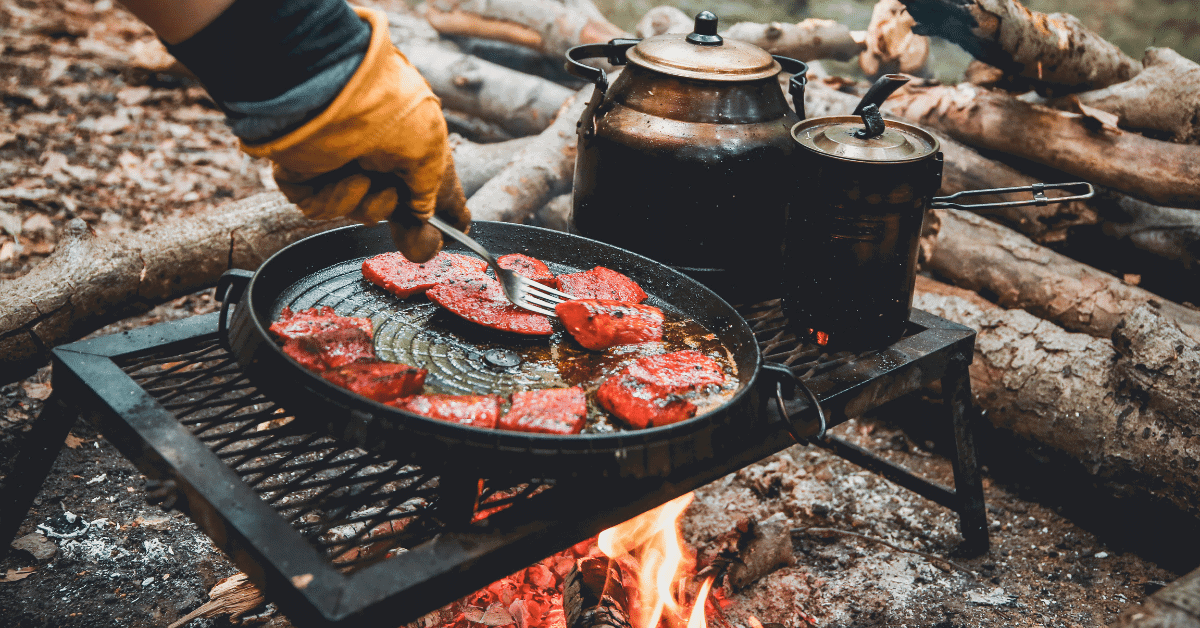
pixel 684 157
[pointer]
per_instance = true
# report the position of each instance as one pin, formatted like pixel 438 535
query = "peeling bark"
pixel 92 281
pixel 892 46
pixel 1164 97
pixel 1054 51
pixel 1079 396
pixel 539 172
pixel 549 26
pixel 1161 172
pixel 980 255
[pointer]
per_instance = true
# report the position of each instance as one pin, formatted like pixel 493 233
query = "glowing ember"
pixel 663 567
pixel 822 338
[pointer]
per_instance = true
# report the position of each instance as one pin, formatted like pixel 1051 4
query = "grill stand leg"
pixel 968 482
pixel 32 465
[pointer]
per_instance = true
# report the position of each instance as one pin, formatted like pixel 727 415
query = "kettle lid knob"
pixel 705 31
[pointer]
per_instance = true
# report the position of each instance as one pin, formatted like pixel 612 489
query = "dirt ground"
pixel 89 129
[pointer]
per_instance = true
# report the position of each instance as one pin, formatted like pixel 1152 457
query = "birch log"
pixel 549 26
pixel 1126 412
pixel 988 258
pixel 1076 143
pixel 1055 51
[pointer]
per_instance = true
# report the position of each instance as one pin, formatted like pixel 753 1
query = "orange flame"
pixel 664 565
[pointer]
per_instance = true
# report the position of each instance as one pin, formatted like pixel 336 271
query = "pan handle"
pixel 787 380
pixel 230 287
pixel 1039 196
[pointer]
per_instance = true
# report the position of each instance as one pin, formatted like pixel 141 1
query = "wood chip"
pixel 74 441
pixel 18 574
pixel 35 390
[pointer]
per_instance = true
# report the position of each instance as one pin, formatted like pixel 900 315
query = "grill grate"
pixel 355 507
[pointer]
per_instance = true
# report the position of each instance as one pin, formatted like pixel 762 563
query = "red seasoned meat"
pixel 601 283
pixel 330 348
pixel 308 322
pixel 549 411
pixel 480 299
pixel 378 380
pixel 394 273
pixel 527 267
pixel 599 324
pixel 475 410
pixel 654 391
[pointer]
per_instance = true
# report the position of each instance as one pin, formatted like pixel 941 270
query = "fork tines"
pixel 539 298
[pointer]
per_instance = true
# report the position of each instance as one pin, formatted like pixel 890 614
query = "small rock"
pixel 40 547
pixel 1101 554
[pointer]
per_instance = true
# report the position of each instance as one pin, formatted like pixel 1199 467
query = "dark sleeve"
pixel 258 50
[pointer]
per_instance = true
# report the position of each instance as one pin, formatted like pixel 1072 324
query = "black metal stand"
pixel 338 536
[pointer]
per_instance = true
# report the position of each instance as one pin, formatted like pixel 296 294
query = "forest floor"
pixel 89 129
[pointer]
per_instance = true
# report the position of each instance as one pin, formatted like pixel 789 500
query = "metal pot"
pixel 851 239
pixel 684 157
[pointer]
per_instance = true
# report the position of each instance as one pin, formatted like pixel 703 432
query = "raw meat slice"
pixel 599 323
pixel 528 267
pixel 394 273
pixel 601 283
pixel 654 391
pixel 315 319
pixel 480 299
pixel 475 410
pixel 331 348
pixel 549 411
pixel 378 380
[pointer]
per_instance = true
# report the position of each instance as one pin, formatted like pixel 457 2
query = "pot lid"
pixel 839 137
pixel 703 54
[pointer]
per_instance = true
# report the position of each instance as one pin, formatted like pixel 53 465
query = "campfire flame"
pixel 663 565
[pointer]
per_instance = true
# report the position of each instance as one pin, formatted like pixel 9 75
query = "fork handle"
pixel 466 241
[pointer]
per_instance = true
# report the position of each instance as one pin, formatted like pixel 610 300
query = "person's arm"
pixel 319 89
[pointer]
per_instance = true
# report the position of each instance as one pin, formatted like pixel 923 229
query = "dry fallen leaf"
pixel 35 390
pixel 74 441
pixel 18 574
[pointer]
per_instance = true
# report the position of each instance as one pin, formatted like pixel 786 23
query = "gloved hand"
pixel 379 151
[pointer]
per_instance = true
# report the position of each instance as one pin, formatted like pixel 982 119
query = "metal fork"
pixel 521 292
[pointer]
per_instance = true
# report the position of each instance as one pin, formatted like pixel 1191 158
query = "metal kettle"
pixel 683 158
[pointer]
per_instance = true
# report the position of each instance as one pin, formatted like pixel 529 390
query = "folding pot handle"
pixel 786 380
pixel 1039 196
pixel 799 71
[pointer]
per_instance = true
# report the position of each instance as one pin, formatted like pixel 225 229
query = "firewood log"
pixel 540 171
pixel 662 20
pixel 92 281
pixel 1055 51
pixel 808 40
pixel 1165 96
pixel 556 214
pixel 549 26
pixel 1082 145
pixel 1176 605
pixel 965 169
pixel 1124 411
pixel 476 163
pixel 983 256
pixel 1167 232
pixel 891 44
pixel 594 594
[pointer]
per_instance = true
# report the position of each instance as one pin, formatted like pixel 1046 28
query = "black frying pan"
pixel 325 270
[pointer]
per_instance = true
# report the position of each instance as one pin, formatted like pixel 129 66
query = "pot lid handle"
pixel 705 31
pixel 868 107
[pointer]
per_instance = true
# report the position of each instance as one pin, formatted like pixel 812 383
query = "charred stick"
pixel 873 539
pixel 594 594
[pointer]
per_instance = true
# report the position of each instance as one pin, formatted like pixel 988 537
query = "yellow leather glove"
pixel 379 151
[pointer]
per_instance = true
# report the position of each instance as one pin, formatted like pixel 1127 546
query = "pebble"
pixel 1101 554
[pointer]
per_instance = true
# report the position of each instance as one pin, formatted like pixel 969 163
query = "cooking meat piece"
pixel 601 283
pixel 378 380
pixel 308 322
pixel 527 267
pixel 331 348
pixel 394 273
pixel 549 411
pixel 480 299
pixel 475 410
pixel 654 391
pixel 599 323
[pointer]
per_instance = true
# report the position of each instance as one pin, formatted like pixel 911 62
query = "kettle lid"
pixel 703 54
pixel 840 137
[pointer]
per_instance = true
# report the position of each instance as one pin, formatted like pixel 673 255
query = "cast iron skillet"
pixel 325 269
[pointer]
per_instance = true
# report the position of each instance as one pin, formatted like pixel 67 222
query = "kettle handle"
pixel 615 50
pixel 799 71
